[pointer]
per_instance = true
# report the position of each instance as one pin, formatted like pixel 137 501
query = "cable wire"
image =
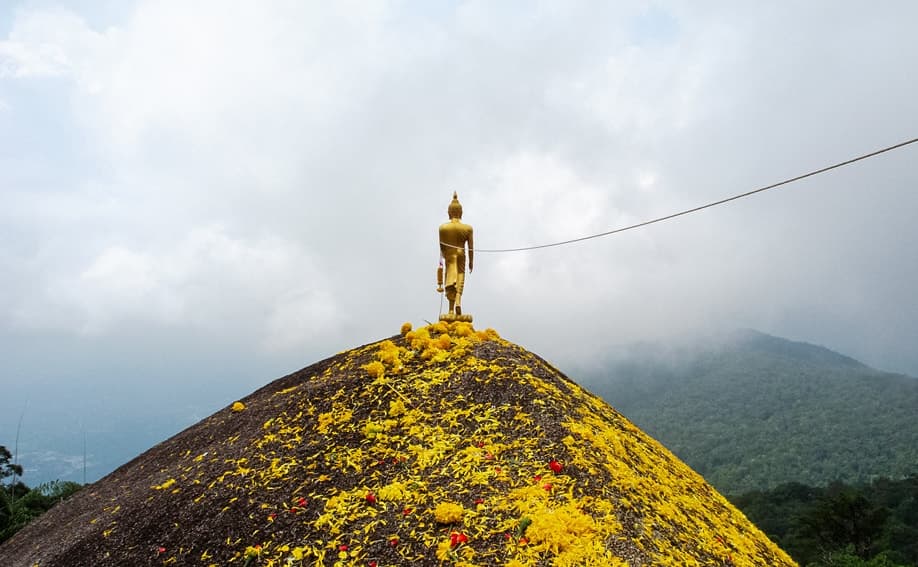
pixel 699 208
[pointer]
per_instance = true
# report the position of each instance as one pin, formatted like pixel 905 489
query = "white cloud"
pixel 45 43
pixel 340 132
pixel 208 280
pixel 298 317
pixel 548 198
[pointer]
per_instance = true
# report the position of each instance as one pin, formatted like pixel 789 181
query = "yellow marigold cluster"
pixel 388 354
pixel 488 334
pixel 238 406
pixel 463 329
pixel 397 408
pixel 444 341
pixel 448 513
pixel 375 369
pixel 418 338
pixel 559 529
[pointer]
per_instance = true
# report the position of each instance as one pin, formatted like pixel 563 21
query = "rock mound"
pixel 439 446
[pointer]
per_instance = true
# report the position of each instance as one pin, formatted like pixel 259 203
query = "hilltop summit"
pixel 439 446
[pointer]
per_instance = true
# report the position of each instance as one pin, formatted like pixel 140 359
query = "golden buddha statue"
pixel 454 235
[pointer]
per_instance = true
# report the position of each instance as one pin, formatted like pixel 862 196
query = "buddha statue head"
pixel 455 209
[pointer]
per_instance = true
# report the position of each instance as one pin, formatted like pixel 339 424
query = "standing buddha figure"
pixel 454 236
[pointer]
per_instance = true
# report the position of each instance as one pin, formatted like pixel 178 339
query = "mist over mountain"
pixel 118 400
pixel 750 411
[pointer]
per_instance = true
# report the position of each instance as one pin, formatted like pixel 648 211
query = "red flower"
pixel 301 502
pixel 342 547
pixel 457 538
pixel 489 456
pixel 555 466
pixel 271 516
pixel 371 498
pixel 480 444
pixel 547 486
pixel 393 542
pixel 524 540
pixel 406 511
pixel 537 478
pixel 161 549
pixel 479 501
pixel 371 564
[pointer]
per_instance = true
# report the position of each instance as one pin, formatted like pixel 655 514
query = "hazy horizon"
pixel 50 450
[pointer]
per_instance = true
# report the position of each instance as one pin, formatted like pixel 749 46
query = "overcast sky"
pixel 198 197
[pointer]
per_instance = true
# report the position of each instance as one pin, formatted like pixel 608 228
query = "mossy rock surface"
pixel 439 446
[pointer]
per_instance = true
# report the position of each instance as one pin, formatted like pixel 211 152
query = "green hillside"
pixel 752 411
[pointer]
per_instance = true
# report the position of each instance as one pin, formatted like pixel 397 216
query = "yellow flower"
pixel 560 529
pixel 444 341
pixel 251 552
pixel 393 491
pixel 418 338
pixel 238 406
pixel 448 513
pixel 164 485
pixel 462 329
pixel 375 369
pixel 396 408
pixel 443 550
pixel 406 327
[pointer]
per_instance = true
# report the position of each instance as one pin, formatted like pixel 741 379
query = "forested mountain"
pixel 751 411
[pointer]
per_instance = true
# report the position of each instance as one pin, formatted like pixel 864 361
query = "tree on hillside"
pixel 845 517
pixel 8 468
pixel 19 505
pixel 8 493
pixel 33 504
pixel 865 525
pixel 847 558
